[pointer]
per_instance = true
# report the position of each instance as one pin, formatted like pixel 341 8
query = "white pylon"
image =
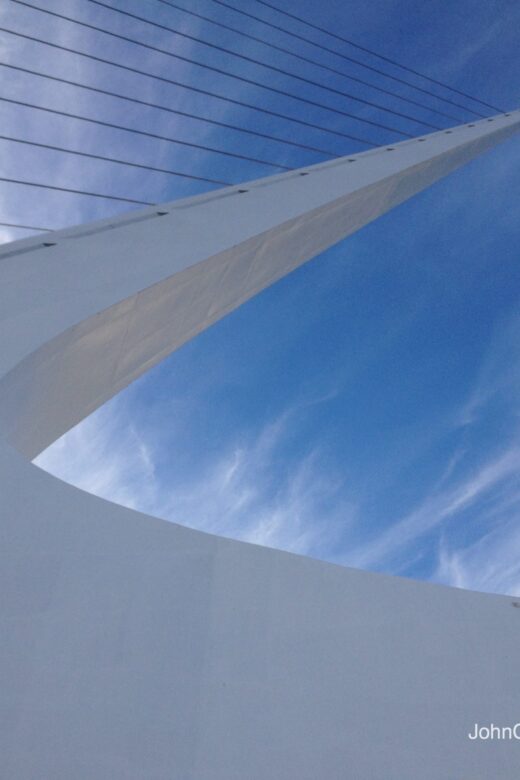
pixel 137 648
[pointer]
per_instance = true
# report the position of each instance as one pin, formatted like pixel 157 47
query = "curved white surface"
pixel 136 648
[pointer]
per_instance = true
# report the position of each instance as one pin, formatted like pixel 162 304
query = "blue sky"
pixel 364 410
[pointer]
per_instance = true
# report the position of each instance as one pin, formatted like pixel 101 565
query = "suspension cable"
pixel 146 133
pixel 92 156
pixel 309 60
pixel 381 56
pixel 246 58
pixel 212 68
pixel 183 85
pixel 170 110
pixel 25 227
pixel 345 57
pixel 76 192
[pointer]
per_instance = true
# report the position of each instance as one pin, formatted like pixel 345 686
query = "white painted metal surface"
pixel 133 648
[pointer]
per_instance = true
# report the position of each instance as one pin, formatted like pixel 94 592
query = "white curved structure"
pixel 133 648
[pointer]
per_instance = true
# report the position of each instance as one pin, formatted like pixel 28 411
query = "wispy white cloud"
pixel 239 495
pixel 392 546
pixel 461 56
pixel 104 455
pixel 490 564
pixel 499 374
pixel 472 490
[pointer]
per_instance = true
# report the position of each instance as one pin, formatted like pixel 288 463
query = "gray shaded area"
pixel 135 648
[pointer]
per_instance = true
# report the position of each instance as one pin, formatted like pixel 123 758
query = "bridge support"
pixel 137 648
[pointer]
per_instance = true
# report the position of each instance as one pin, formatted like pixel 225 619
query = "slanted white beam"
pixel 135 648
